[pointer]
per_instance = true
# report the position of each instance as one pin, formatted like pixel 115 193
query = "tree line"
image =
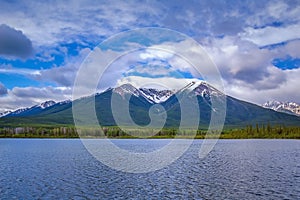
pixel 263 131
pixel 38 132
pixel 250 131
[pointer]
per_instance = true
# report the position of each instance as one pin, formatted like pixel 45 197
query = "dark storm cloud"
pixel 3 89
pixel 14 43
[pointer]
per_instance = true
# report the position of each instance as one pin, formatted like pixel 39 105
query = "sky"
pixel 254 45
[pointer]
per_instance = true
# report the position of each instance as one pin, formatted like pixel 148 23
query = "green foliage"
pixel 38 132
pixel 250 131
pixel 263 131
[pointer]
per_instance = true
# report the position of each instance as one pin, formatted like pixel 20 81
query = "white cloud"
pixel 63 75
pixel 160 83
pixel 271 35
pixel 240 60
pixel 95 71
pixel 189 56
pixel 28 96
pixel 155 53
pixel 277 9
pixel 291 49
pixel 157 69
pixel 42 93
pixel 286 91
pixel 8 69
pixel 49 24
pixel 266 13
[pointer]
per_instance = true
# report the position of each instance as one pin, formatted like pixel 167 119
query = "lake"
pixel 235 169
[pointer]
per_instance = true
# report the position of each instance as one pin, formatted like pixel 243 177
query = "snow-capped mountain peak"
pixel 204 89
pixel 191 86
pixel 201 88
pixel 47 104
pixel 126 89
pixel 151 95
pixel 286 107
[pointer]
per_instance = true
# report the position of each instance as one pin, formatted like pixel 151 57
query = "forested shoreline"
pixel 250 131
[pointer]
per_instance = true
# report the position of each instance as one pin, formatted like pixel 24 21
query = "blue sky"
pixel 254 44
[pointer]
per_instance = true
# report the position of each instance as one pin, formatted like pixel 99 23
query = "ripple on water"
pixel 235 169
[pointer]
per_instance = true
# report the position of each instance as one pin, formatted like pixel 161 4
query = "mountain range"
pixel 285 107
pixel 36 109
pixel 238 113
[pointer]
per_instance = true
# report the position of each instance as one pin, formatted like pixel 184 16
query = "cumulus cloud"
pixel 49 24
pixel 286 91
pixel 161 83
pixel 14 43
pixel 63 75
pixel 189 56
pixel 28 96
pixel 43 93
pixel 242 62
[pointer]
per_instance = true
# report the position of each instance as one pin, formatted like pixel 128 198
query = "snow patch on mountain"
pixel 155 95
pixel 151 95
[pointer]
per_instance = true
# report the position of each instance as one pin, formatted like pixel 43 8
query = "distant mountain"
pixel 238 113
pixel 5 113
pixel 36 109
pixel 285 107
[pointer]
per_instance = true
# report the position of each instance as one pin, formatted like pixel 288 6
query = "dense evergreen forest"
pixel 250 131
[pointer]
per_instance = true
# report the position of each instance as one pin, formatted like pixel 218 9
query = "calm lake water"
pixel 235 169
